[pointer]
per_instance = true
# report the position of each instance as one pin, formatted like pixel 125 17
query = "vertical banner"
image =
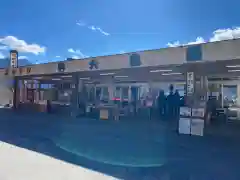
pixel 190 83
pixel 13 59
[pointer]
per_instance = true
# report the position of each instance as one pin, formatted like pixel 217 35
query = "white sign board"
pixel 190 83
pixel 13 58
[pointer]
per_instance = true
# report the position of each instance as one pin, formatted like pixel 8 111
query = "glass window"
pixel 105 93
pixel 194 53
pixel 230 95
pixel 117 93
pixel 125 93
pixel 91 94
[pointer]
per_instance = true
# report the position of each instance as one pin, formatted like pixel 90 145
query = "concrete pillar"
pixel 204 87
pixel 15 93
pixel 238 94
pixel 74 96
pixel 111 89
pixel 130 94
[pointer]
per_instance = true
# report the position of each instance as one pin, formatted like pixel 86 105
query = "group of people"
pixel 169 106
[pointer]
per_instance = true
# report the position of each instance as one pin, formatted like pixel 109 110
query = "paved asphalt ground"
pixel 131 150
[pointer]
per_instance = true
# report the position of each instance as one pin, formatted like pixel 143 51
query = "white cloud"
pixel 199 40
pixel 76 57
pixel 80 23
pixel 218 35
pixel 174 44
pixel 225 34
pixel 22 57
pixel 1 56
pixel 3 47
pixel 71 50
pixel 122 52
pixel 93 28
pixel 77 53
pixel 57 56
pixel 21 46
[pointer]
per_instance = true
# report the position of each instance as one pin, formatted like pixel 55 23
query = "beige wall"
pixel 222 50
pixel 6 95
pixel 163 56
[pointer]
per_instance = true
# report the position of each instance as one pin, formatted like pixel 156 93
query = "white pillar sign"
pixel 13 59
pixel 190 83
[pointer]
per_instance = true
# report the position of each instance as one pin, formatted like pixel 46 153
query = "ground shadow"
pixel 184 157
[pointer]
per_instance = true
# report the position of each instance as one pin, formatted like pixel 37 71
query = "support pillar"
pixel 204 88
pixel 112 89
pixel 238 94
pixel 74 95
pixel 15 93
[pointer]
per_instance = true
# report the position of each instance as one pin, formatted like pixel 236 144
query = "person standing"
pixel 49 106
pixel 177 105
pixel 161 102
pixel 149 104
pixel 170 103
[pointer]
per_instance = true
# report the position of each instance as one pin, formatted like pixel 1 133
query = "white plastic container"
pixel 197 127
pixel 184 126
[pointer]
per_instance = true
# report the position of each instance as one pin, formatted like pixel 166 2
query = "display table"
pixel 184 125
pixel 108 112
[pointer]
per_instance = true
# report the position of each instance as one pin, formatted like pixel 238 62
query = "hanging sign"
pixel 93 64
pixel 190 83
pixel 61 67
pixel 13 59
pixel 135 60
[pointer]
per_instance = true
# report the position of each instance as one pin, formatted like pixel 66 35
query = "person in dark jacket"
pixel 49 106
pixel 211 107
pixel 170 103
pixel 161 100
pixel 176 105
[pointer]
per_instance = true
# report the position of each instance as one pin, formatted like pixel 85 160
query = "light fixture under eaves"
pixel 233 66
pixel 85 78
pixel 66 76
pixel 121 76
pixel 169 74
pixel 234 70
pixel 107 74
pixel 161 70
pixel 38 77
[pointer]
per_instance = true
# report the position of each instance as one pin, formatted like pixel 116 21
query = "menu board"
pixel 190 83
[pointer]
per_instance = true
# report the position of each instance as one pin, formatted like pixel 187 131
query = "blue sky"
pixel 53 30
